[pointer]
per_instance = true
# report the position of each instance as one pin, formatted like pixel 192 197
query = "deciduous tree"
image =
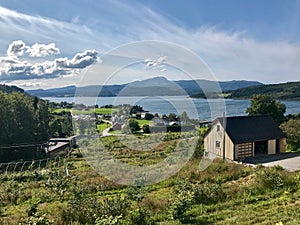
pixel 266 105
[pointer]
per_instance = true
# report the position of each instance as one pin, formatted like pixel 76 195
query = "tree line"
pixel 26 123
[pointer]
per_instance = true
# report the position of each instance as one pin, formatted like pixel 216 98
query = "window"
pixel 218 127
pixel 218 144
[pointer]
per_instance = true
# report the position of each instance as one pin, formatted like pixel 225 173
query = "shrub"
pixel 270 179
pixel 140 216
pixel 180 204
pixel 297 179
pixel 135 193
pixel 109 220
pixel 37 218
pixel 208 193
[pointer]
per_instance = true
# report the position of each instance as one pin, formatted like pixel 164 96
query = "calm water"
pixel 196 108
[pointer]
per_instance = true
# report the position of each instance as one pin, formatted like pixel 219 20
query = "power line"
pixel 22 145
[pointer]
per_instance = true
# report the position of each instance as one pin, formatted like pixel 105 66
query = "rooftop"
pixel 243 129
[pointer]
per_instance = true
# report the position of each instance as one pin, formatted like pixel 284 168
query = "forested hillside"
pixel 284 91
pixel 26 123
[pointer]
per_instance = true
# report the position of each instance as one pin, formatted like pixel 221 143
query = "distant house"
pixel 60 145
pixel 117 126
pixel 244 136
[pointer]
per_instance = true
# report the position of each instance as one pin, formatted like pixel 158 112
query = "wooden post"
pixel 224 130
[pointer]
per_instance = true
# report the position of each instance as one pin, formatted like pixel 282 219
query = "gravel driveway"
pixel 289 161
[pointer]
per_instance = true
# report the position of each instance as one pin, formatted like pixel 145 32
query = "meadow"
pixel 224 193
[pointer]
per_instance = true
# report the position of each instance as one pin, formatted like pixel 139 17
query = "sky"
pixel 51 43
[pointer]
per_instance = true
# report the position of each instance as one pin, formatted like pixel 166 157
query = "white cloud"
pixel 41 50
pixel 13 67
pixel 16 48
pixel 230 54
pixel 80 60
pixel 156 63
pixel 29 84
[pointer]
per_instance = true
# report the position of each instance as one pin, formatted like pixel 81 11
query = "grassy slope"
pixel 244 204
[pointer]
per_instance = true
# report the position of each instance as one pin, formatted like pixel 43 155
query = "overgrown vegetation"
pixel 291 128
pixel 224 193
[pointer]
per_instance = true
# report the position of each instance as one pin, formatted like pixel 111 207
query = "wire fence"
pixel 33 165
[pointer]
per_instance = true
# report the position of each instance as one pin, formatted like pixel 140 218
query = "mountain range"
pixel 158 86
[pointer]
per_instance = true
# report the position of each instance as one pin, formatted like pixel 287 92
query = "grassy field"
pixel 102 111
pixel 143 122
pixel 224 193
pixel 101 127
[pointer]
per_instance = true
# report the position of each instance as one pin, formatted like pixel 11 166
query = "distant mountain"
pixel 207 86
pixel 284 91
pixel 157 86
pixel 10 89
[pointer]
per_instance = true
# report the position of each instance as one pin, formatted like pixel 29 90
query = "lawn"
pixel 102 111
pixel 143 122
pixel 101 127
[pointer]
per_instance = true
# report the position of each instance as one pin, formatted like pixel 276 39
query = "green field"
pixel 143 122
pixel 224 193
pixel 102 127
pixel 101 111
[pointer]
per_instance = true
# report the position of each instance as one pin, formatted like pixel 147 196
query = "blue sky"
pixel 252 40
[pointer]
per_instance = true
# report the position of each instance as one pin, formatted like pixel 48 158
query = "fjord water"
pixel 179 104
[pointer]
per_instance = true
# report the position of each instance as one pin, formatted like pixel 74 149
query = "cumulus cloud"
pixel 42 50
pixel 16 48
pixel 13 67
pixel 156 63
pixel 79 61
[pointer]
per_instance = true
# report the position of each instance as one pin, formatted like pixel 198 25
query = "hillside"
pixel 283 91
pixel 9 89
pixel 224 193
pixel 157 86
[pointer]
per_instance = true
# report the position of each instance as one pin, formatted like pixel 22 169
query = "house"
pixel 244 136
pixel 60 145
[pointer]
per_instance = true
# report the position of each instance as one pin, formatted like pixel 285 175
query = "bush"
pixel 180 204
pixel 208 193
pixel 270 179
pixel 109 220
pixel 37 218
pixel 140 216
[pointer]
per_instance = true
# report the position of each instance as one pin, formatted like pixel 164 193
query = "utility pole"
pixel 224 132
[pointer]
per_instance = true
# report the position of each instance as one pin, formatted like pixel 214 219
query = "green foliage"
pixel 209 193
pixel 180 204
pixel 82 209
pixel 224 193
pixel 109 220
pixel 291 129
pixel 140 216
pixel 61 124
pixel 135 193
pixel 37 218
pixel 285 91
pixel 136 109
pixel 266 105
pixel 134 125
pixel 146 129
pixel 149 116
pixel 23 119
pixel 270 179
pixel 26 121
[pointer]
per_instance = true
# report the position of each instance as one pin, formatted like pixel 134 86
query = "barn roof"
pixel 243 129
